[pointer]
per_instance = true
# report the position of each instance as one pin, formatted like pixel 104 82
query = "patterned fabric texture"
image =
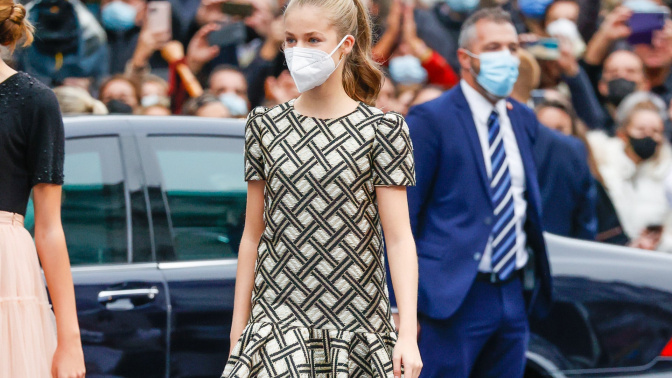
pixel 320 304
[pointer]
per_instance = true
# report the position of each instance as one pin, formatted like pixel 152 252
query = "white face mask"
pixel 563 27
pixel 310 67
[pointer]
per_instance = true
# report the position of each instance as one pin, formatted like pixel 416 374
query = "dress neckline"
pixel 10 78
pixel 291 105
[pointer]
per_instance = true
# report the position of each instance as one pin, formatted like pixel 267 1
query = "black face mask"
pixel 643 147
pixel 118 107
pixel 618 89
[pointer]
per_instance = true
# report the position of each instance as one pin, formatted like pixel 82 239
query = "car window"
pixel 206 192
pixel 94 205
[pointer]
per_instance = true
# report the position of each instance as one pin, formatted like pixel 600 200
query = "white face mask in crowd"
pixel 237 105
pixel 310 68
pixel 566 28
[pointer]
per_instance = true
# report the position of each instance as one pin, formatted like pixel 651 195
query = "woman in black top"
pixel 31 157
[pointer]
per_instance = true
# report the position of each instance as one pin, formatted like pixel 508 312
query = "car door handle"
pixel 135 296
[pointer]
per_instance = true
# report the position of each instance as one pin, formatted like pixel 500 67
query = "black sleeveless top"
pixel 31 140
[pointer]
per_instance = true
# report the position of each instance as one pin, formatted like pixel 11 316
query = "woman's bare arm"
pixel 53 253
pixel 393 209
pixel 247 257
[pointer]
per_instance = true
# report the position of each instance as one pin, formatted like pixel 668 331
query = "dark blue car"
pixel 153 211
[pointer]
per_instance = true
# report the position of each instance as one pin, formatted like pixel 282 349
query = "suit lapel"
pixel 466 119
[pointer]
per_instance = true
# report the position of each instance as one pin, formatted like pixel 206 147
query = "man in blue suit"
pixel 475 213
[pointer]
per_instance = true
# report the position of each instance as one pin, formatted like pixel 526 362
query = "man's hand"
pixel 199 51
pixel 615 24
pixel 148 43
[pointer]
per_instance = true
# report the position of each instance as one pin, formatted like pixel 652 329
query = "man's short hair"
pixel 468 30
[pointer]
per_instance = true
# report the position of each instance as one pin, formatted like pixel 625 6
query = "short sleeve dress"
pixel 31 153
pixel 320 304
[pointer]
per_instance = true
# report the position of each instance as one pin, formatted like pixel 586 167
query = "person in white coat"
pixel 634 165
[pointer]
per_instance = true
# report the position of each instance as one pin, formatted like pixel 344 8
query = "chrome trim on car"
pixel 549 368
pixel 196 264
pixel 103 267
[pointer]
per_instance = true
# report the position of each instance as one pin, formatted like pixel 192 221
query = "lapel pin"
pixel 509 105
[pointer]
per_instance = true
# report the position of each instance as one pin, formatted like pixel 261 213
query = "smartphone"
pixel 229 34
pixel 159 16
pixel 544 49
pixel 538 96
pixel 237 9
pixel 643 26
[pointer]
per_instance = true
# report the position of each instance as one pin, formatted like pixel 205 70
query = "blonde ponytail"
pixel 362 79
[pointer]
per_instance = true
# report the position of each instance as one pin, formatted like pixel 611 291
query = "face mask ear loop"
pixel 338 46
pixel 471 54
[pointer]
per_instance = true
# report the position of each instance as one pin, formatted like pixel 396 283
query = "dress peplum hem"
pixel 271 350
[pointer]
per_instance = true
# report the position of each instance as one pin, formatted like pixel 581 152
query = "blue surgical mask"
pixel 499 72
pixel 463 6
pixel 237 106
pixel 118 16
pixel 533 8
pixel 407 69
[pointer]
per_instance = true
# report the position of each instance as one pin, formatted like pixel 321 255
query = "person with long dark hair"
pixel 31 158
pixel 324 172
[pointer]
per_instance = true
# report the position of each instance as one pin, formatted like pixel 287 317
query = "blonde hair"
pixel 13 25
pixel 362 79
pixel 75 100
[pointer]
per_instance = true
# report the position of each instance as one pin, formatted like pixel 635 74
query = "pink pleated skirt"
pixel 27 327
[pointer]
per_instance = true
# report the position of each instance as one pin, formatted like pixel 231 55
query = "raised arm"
pixel 247 257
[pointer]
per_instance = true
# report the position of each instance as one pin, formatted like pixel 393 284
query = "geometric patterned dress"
pixel 320 305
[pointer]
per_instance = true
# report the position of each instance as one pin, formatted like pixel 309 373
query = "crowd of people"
pixel 585 67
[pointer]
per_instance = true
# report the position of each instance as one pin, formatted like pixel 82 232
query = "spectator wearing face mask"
pixel 440 26
pixel 120 94
pixel 634 165
pixel 414 63
pixel 207 106
pixel 123 21
pixel 622 74
pixel 534 11
pixel 154 91
pixel 229 85
pixel 656 55
pixel 565 68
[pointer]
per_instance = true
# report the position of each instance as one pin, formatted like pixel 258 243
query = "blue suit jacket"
pixel 451 209
pixel 568 193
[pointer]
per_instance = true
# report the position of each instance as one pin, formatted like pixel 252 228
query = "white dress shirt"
pixel 480 110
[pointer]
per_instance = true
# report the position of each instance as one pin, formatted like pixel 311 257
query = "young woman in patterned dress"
pixel 31 158
pixel 324 172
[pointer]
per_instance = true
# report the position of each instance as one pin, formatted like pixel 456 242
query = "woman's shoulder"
pixel 391 118
pixel 272 111
pixel 38 92
pixel 31 94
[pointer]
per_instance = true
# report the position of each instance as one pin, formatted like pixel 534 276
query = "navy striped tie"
pixel 504 230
